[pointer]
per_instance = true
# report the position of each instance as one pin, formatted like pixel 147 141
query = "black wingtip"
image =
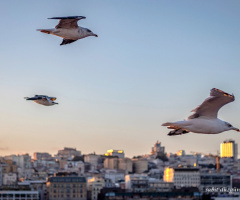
pixel 69 17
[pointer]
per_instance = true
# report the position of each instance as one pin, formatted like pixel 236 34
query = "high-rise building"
pixel 157 149
pixel 229 149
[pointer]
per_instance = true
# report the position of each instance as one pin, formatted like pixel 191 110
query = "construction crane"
pixel 214 156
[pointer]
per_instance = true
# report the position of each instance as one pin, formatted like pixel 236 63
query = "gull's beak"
pixel 236 129
pixel 95 35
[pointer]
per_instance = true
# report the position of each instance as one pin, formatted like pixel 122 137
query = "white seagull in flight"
pixel 43 100
pixel 204 119
pixel 68 29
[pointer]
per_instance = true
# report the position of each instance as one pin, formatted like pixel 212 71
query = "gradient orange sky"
pixel 153 62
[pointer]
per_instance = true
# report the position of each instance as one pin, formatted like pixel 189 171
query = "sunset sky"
pixel 153 62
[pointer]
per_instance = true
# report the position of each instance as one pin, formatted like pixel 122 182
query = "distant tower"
pixel 229 149
pixel 157 149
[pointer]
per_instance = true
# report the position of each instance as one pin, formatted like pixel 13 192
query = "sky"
pixel 153 62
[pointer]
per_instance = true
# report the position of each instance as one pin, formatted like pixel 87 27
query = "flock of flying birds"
pixel 203 120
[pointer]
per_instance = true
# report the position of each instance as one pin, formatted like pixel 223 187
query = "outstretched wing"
pixel 210 107
pixel 68 22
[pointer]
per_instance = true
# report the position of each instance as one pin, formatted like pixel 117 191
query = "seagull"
pixel 43 99
pixel 204 119
pixel 68 29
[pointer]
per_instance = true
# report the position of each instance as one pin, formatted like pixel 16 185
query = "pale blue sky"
pixel 153 62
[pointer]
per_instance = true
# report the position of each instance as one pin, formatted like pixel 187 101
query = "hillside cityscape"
pixel 158 175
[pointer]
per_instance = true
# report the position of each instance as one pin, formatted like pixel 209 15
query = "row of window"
pixel 67 185
pixel 67 191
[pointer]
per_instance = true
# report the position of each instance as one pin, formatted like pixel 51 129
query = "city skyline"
pixel 156 148
pixel 152 62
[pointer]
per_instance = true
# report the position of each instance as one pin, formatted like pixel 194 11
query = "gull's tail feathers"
pixel 48 31
pixel 167 124
pixel 178 130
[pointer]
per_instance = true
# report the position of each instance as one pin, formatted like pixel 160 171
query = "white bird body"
pixel 205 126
pixel 71 34
pixel 204 119
pixel 68 29
pixel 43 100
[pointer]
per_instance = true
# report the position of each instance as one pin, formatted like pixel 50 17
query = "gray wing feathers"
pixel 68 22
pixel 210 107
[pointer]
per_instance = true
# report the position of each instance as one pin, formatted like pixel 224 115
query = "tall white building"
pixel 182 177
pixel 229 149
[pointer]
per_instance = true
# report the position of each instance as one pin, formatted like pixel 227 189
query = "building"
pixel 182 177
pixel 36 185
pixel 114 176
pixel 19 195
pixel 229 149
pixel 9 179
pixel 156 185
pixel 118 153
pixel 125 164
pixel 94 187
pixel 68 153
pixel 137 182
pixel 41 156
pixel 67 187
pixel 93 159
pixel 157 149
pixel 1 176
pixel 75 166
pixel 140 165
pixel 181 153
pixel 111 163
pixel 215 180
pixel 168 175
pixel 22 161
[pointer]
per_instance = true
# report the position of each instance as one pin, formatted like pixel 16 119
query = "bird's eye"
pixel 229 125
pixel 89 31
